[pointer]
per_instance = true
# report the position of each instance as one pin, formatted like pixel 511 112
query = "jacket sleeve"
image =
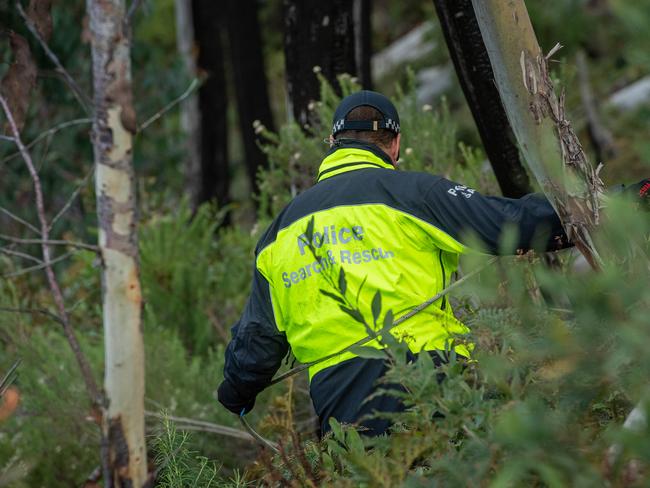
pixel 461 212
pixel 255 351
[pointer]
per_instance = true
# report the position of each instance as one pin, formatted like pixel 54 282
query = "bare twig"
pixel 83 99
pixel 19 220
pixel 190 89
pixel 135 5
pixel 32 311
pixel 46 134
pixel 9 378
pixel 44 265
pixel 78 245
pixel 601 138
pixel 74 195
pixel 193 424
pixel 84 366
pixel 6 138
pixel 19 254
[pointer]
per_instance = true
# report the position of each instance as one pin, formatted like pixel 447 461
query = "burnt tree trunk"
pixel 316 34
pixel 214 182
pixel 472 63
pixel 251 85
pixel 363 40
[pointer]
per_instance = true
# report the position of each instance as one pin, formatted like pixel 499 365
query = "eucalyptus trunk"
pixel 537 116
pixel 114 125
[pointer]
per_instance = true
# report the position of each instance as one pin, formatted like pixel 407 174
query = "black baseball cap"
pixel 370 98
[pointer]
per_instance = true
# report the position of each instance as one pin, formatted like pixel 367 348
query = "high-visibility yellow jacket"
pixel 391 231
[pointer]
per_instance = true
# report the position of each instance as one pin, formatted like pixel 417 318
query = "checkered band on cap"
pixel 338 126
pixel 392 125
pixel 366 98
pixel 365 125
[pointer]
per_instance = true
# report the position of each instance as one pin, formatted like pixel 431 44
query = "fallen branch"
pixel 203 426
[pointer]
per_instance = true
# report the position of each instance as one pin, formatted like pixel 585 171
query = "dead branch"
pixel 600 136
pixel 45 134
pixel 128 19
pixel 9 377
pixel 203 426
pixel 31 311
pixel 18 219
pixel 194 84
pixel 84 366
pixel 19 254
pixel 43 265
pixel 71 199
pixel 58 242
pixel 79 94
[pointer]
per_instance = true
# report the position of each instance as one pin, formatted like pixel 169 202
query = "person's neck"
pixel 361 144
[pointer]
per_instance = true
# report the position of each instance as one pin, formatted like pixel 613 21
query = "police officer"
pixel 397 232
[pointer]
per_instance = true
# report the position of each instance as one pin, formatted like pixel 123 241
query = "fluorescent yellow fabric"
pixel 337 162
pixel 405 258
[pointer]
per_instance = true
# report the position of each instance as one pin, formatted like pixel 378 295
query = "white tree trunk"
pixel 113 129
pixel 550 148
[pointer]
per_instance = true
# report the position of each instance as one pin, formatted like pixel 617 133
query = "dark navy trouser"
pixel 340 392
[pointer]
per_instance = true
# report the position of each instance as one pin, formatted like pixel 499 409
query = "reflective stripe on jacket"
pixel 394 231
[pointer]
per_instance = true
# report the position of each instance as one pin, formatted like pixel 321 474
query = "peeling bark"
pixel 113 128
pixel 537 116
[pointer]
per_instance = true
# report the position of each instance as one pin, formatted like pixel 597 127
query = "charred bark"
pixel 363 39
pixel 316 34
pixel 251 85
pixel 472 64
pixel 215 175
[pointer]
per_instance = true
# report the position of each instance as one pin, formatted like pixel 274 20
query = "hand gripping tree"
pixel 549 145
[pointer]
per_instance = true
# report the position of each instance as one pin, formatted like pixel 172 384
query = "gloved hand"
pixel 230 398
pixel 640 192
